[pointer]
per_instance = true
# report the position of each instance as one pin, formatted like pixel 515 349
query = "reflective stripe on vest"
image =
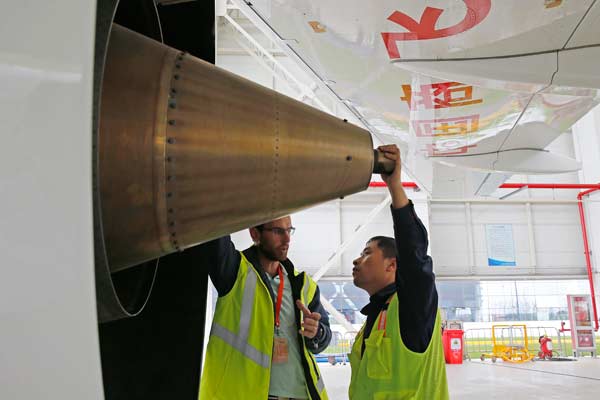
pixel 240 341
pixel 305 290
pixel 320 384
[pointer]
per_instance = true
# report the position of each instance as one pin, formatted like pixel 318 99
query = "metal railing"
pixel 479 341
pixel 339 348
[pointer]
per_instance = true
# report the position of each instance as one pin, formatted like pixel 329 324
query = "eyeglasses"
pixel 281 231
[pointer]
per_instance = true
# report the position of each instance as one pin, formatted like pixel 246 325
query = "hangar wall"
pixel 547 239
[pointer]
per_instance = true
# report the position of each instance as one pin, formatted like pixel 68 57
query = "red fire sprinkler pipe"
pixel 404 184
pixel 586 250
pixel 591 188
pixel 550 186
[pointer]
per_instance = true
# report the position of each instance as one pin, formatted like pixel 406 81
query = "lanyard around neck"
pixel 279 295
pixel 383 316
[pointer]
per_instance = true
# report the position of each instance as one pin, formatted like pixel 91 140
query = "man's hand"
pixel 391 152
pixel 310 321
pixel 393 180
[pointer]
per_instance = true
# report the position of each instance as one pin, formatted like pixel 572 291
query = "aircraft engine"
pixel 185 152
pixel 188 152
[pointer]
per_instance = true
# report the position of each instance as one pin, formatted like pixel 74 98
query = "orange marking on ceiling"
pixel 316 26
pixel 552 3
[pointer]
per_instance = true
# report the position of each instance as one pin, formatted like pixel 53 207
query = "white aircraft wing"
pixel 481 84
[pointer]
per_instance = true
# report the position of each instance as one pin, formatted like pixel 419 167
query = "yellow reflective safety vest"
pixel 238 356
pixel 389 370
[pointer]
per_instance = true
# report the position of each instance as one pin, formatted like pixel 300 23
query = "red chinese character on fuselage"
pixel 477 11
pixel 446 126
pixel 436 150
pixel 440 95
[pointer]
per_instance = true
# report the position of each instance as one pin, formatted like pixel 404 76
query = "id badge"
pixel 280 350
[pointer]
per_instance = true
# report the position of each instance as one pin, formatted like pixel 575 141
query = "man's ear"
pixel 255 235
pixel 391 264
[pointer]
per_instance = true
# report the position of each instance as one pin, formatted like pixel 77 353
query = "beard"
pixel 272 254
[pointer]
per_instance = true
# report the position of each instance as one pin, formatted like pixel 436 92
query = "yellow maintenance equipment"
pixel 509 344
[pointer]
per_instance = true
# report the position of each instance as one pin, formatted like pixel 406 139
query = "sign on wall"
pixel 500 245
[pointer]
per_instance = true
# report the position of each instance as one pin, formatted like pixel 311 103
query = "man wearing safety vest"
pixel 398 353
pixel 267 324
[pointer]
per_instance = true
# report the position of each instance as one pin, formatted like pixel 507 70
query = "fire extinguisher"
pixel 545 348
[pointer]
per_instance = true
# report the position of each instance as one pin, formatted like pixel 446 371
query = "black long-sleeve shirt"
pixel 223 261
pixel 415 283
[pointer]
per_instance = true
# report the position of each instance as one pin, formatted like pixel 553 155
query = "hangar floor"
pixel 476 380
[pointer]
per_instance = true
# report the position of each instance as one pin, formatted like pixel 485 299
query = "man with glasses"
pixel 267 324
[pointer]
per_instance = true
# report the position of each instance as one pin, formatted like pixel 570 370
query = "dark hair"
pixel 386 244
